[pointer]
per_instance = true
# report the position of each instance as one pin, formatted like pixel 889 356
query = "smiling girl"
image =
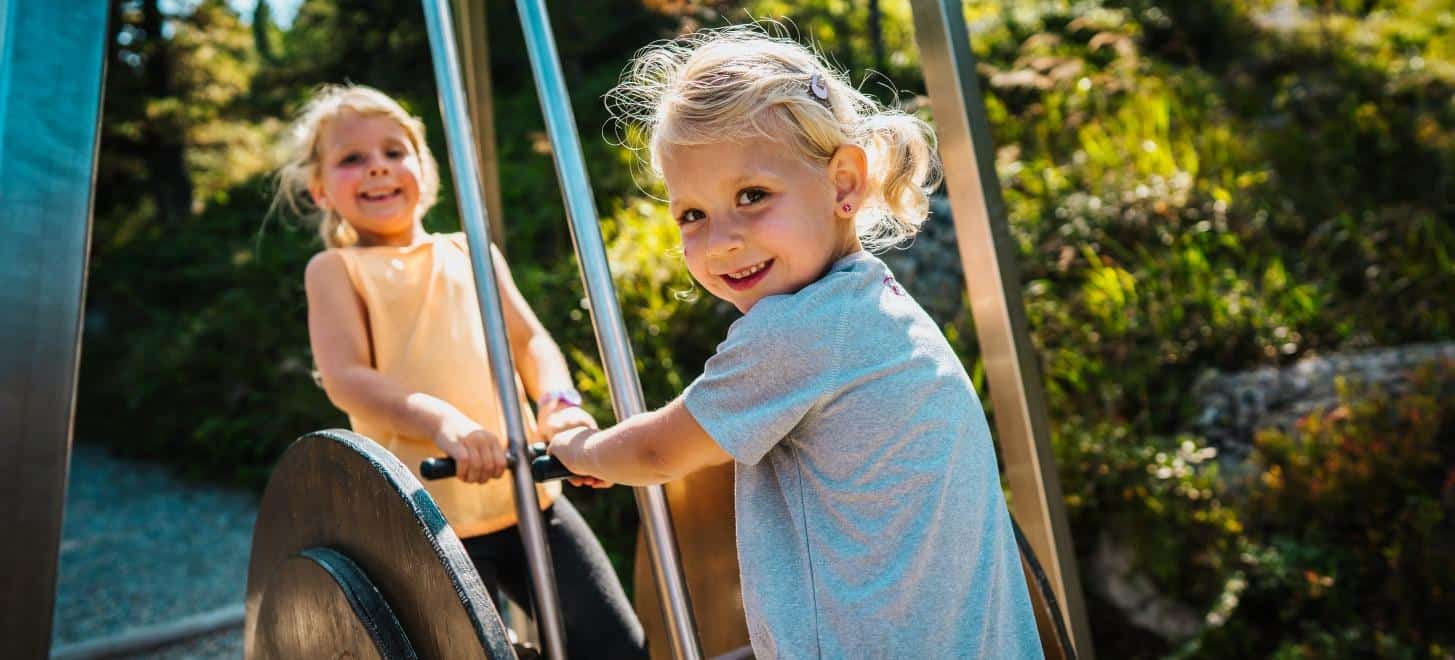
pixel 870 519
pixel 396 332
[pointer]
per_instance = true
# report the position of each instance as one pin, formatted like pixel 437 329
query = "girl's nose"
pixel 724 236
pixel 378 167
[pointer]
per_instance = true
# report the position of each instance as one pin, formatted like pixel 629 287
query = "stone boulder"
pixel 1236 406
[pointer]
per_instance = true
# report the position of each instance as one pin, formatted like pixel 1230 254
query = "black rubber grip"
pixel 543 466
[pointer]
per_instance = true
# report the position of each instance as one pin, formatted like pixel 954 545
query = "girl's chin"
pixel 386 232
pixel 743 300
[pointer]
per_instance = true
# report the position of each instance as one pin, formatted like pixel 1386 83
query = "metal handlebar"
pixel 543 466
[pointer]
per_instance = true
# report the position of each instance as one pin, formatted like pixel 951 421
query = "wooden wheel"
pixel 319 604
pixel 351 558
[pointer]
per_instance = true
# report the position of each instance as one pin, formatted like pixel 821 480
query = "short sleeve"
pixel 775 365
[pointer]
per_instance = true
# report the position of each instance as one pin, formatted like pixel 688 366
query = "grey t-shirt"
pixel 870 518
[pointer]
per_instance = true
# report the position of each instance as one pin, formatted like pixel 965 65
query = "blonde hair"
pixel 740 82
pixel 301 164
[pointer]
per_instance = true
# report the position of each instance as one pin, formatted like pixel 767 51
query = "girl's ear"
pixel 315 190
pixel 849 172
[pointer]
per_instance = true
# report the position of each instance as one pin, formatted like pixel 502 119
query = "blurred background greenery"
pixel 1193 187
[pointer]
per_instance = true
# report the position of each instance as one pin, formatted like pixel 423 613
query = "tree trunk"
pixel 166 139
pixel 262 37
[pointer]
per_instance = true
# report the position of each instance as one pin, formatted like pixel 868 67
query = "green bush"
pixel 196 343
pixel 1349 532
pixel 1191 190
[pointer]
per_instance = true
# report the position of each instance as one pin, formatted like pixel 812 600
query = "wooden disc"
pixel 702 514
pixel 319 604
pixel 339 490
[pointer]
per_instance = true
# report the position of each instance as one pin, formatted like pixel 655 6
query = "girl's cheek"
pixel 342 176
pixel 689 255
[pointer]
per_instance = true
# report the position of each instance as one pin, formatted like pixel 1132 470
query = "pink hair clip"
pixel 819 86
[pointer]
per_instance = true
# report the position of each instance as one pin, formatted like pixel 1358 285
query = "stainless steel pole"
pixel 989 256
pixel 611 337
pixel 466 169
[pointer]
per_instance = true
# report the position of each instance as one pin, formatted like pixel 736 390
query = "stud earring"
pixel 848 207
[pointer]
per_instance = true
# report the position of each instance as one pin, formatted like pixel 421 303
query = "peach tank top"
pixel 426 334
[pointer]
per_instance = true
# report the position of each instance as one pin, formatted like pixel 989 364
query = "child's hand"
pixel 478 454
pixel 567 447
pixel 556 417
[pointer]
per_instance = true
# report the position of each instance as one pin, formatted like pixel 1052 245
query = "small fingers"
pixel 565 420
pixel 579 417
pixel 474 471
pixel 460 453
pixel 497 461
pixel 491 456
pixel 588 482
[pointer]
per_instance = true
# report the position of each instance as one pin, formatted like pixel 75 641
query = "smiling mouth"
pixel 380 195
pixel 745 279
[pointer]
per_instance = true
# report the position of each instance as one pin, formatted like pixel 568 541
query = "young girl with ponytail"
pixel 870 519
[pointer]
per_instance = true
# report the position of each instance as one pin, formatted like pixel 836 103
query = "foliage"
pixel 219 377
pixel 1185 201
pixel 1349 532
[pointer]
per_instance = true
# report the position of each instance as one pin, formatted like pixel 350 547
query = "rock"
pixel 1115 579
pixel 1236 406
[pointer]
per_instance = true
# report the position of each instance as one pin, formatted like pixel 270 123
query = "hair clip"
pixel 819 86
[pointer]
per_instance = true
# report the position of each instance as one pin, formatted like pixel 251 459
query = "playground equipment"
pixel 361 576
pixel 342 523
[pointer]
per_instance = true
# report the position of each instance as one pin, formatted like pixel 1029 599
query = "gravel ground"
pixel 141 548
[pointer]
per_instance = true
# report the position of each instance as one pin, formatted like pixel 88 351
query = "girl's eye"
pixel 751 196
pixel 395 153
pixel 689 216
pixel 350 159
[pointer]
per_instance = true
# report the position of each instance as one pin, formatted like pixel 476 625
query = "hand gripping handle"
pixel 543 466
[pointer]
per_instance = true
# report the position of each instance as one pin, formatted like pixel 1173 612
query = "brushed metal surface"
pixel 473 40
pixel 51 69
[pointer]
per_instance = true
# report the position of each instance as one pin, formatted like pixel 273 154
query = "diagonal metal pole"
pixel 988 255
pixel 465 166
pixel 611 336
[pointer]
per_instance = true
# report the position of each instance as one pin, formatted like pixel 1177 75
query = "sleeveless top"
pixel 426 334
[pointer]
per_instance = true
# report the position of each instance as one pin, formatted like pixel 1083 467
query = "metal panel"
pixel 474 44
pixel 50 101
pixel 466 169
pixel 988 255
pixel 611 337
